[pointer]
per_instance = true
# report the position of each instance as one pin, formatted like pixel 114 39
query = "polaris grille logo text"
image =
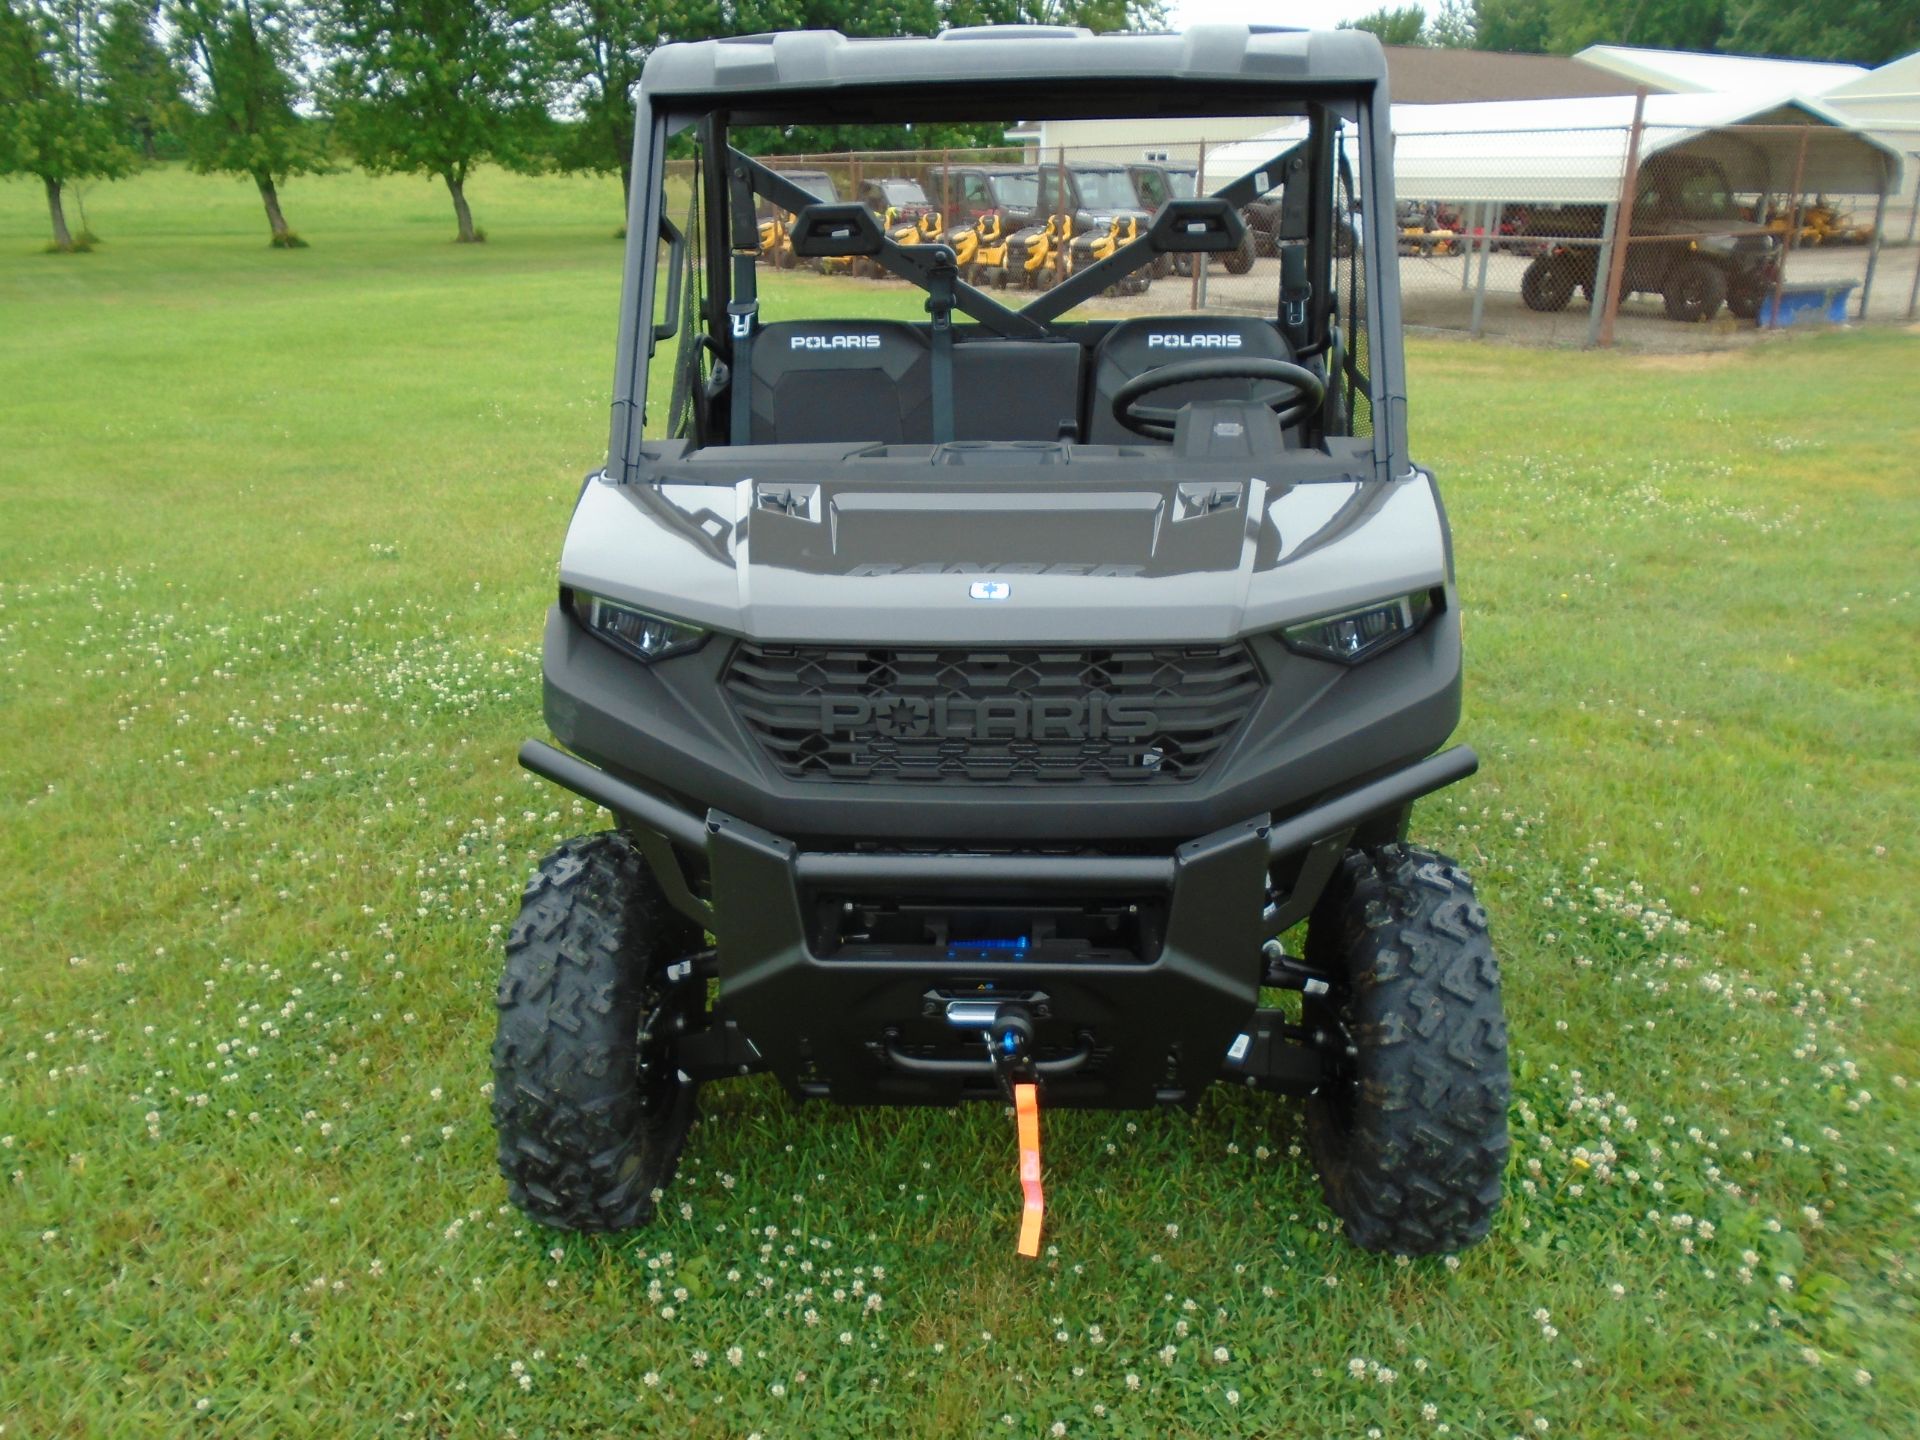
pixel 1193 342
pixel 834 342
pixel 908 717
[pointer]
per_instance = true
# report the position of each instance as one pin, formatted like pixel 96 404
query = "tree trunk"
pixel 270 197
pixel 626 185
pixel 458 189
pixel 62 238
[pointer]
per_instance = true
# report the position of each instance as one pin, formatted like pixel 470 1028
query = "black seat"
pixel 1134 347
pixel 1015 389
pixel 825 381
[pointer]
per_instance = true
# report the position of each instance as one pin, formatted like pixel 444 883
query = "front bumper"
pixel 1150 1021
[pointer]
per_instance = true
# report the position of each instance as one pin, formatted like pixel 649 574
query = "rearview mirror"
pixel 828 232
pixel 1203 225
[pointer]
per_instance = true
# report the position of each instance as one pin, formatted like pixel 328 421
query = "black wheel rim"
pixel 656 1071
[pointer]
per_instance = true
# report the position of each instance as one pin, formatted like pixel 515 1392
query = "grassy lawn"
pixel 276 534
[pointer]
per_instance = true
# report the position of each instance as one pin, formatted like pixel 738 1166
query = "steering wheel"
pixel 1300 391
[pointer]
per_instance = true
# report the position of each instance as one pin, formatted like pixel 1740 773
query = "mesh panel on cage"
pixel 1351 294
pixel 687 367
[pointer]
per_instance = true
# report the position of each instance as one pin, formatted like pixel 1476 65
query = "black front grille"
pixel 1123 716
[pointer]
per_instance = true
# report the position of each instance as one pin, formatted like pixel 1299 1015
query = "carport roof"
pixel 1574 151
pixel 1687 72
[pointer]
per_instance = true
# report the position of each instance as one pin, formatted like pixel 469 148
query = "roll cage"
pixel 720 317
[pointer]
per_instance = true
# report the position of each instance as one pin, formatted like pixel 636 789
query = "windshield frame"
pixel 1356 102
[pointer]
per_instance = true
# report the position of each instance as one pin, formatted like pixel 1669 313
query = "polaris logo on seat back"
pixel 1193 342
pixel 834 342
pixel 1011 717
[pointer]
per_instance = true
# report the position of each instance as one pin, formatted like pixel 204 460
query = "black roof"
pixel 1039 60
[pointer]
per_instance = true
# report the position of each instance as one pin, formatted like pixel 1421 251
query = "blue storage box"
pixel 1807 304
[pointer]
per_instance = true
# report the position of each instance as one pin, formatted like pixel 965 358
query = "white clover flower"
pixel 1221 1355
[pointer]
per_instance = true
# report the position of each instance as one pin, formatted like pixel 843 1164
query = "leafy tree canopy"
pixel 140 81
pixel 436 86
pixel 1867 32
pixel 58 118
pixel 1400 25
pixel 244 60
pixel 60 122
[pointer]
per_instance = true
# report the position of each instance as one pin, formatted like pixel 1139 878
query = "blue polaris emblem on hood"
pixel 990 590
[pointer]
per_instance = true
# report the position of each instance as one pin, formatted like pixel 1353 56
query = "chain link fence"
pixel 1638 235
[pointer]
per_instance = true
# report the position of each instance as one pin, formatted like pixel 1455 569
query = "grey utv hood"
pixel 1077 560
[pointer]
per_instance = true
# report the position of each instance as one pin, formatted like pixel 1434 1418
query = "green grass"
pixel 276 531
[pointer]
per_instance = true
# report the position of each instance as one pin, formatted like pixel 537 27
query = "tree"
pixel 59 124
pixel 140 82
pixel 596 50
pixel 1401 25
pixel 1453 27
pixel 1093 14
pixel 243 56
pixel 436 86
pixel 1656 24
pixel 1866 32
pixel 1522 26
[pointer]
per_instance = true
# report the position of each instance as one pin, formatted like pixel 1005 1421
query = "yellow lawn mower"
pixel 1101 239
pixel 1037 256
pixel 776 241
pixel 925 228
pixel 980 250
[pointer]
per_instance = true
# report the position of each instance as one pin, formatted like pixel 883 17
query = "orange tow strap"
pixel 1026 1106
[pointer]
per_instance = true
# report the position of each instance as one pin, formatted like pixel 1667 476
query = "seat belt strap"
pixel 940 307
pixel 743 310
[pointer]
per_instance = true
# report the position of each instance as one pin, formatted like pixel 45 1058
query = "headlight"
pixel 1356 635
pixel 643 636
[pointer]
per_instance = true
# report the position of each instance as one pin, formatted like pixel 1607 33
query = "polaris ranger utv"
pixel 1690 246
pixel 990 699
